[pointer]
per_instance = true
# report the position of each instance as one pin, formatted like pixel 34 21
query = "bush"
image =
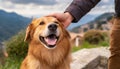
pixel 16 47
pixel 94 36
pixel 12 63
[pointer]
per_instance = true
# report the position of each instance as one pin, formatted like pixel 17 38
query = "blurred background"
pixel 90 32
pixel 38 8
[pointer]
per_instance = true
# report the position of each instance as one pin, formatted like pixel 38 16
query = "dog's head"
pixel 46 30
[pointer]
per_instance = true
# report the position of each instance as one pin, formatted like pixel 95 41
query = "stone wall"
pixel 95 58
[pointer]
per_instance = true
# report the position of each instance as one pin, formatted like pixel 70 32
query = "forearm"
pixel 79 8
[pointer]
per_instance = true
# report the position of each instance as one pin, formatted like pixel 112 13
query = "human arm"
pixel 75 11
pixel 78 8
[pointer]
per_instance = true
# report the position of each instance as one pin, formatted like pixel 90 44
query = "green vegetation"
pixel 11 63
pixel 88 45
pixel 90 35
pixel 16 47
pixel 94 36
pixel 17 50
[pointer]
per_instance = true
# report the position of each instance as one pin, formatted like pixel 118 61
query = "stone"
pixel 95 58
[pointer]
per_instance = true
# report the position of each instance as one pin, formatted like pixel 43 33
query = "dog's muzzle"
pixel 52 36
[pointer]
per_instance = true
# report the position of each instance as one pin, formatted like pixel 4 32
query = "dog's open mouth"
pixel 50 41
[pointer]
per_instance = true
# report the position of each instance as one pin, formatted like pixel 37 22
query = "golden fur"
pixel 38 56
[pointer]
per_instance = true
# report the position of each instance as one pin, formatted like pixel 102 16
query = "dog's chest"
pixel 33 64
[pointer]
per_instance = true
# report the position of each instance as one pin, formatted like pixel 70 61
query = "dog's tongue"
pixel 51 41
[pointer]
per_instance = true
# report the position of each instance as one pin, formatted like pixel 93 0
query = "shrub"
pixel 12 63
pixel 16 47
pixel 94 36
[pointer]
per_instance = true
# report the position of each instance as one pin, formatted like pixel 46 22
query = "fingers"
pixel 58 16
pixel 64 18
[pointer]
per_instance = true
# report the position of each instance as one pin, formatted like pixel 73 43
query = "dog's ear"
pixel 64 30
pixel 67 34
pixel 28 30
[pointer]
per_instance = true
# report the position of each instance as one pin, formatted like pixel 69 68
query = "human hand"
pixel 65 18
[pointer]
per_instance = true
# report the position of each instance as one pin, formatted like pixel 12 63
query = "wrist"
pixel 69 16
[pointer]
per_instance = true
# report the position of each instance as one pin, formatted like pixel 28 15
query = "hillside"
pixel 98 20
pixel 11 23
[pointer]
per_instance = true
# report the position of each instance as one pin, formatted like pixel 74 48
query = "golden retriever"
pixel 49 45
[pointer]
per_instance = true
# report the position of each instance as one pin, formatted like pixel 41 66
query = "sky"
pixel 34 7
pixel 37 8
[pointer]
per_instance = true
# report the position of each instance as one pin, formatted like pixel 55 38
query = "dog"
pixel 49 45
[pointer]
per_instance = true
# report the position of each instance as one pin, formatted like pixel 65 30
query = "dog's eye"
pixel 55 22
pixel 42 23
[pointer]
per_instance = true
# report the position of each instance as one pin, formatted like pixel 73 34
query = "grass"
pixel 87 45
pixel 11 64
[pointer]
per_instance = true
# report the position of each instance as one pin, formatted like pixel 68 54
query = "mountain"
pixel 101 19
pixel 105 3
pixel 104 16
pixel 85 19
pixel 11 23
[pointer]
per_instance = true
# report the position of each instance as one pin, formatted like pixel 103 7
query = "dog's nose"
pixel 52 27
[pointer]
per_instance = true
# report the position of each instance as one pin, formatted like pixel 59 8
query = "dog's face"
pixel 46 30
